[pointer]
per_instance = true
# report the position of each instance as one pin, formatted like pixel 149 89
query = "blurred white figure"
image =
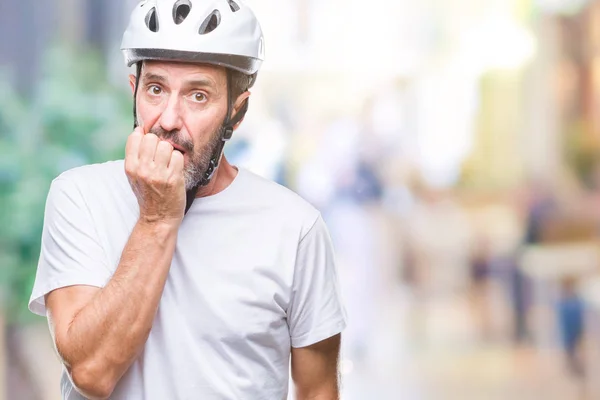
pixel 267 150
pixel 354 236
pixel 319 176
pixel 331 181
pixel 440 233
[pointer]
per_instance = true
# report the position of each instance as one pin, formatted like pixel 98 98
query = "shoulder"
pixel 94 179
pixel 93 173
pixel 90 183
pixel 284 202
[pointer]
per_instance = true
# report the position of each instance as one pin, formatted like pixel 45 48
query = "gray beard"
pixel 199 161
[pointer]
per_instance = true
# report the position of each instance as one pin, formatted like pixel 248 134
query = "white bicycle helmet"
pixel 220 32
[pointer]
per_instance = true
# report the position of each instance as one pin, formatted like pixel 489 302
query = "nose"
pixel 170 119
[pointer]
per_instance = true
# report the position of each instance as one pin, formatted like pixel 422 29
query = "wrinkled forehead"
pixel 180 72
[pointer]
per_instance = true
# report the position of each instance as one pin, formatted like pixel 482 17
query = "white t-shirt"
pixel 253 275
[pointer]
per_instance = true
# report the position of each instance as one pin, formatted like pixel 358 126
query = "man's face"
pixel 184 104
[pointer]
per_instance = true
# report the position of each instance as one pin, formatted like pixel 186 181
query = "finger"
pixel 163 154
pixel 132 148
pixel 176 163
pixel 148 148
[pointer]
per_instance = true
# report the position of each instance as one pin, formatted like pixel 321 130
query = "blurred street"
pixel 433 351
pixel 452 148
pixel 418 351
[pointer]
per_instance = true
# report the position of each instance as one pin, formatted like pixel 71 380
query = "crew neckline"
pixel 223 193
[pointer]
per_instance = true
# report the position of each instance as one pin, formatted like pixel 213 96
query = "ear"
pixel 238 105
pixel 132 83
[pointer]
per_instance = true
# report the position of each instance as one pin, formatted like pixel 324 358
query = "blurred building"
pixel 34 26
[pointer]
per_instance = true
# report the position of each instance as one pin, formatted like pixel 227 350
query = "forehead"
pixel 181 72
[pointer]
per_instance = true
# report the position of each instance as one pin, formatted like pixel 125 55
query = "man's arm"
pixel 99 332
pixel 315 370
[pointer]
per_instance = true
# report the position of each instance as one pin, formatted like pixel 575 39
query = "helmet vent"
pixel 210 23
pixel 234 6
pixel 181 10
pixel 261 47
pixel 152 20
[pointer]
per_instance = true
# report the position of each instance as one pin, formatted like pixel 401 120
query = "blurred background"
pixel 452 146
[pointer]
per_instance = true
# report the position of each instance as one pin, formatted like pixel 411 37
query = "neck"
pixel 224 175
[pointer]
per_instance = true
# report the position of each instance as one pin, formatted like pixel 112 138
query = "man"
pixel 150 296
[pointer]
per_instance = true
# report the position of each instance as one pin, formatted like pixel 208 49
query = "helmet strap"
pixel 138 67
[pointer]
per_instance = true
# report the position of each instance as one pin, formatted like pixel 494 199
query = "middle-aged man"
pixel 173 274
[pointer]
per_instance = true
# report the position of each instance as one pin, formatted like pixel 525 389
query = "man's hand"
pixel 155 173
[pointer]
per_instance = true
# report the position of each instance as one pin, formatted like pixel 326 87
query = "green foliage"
pixel 75 117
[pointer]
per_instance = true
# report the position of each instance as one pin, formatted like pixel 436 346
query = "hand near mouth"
pixel 155 173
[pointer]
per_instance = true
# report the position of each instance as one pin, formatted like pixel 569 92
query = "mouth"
pixel 176 147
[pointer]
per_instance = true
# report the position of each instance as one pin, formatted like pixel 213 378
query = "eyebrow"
pixel 200 83
pixel 155 78
pixel 206 83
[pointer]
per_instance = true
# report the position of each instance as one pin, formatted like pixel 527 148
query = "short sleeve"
pixel 71 253
pixel 316 311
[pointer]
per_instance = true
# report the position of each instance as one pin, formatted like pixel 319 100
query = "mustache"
pixel 173 136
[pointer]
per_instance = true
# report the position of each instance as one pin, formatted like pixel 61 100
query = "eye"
pixel 155 90
pixel 199 97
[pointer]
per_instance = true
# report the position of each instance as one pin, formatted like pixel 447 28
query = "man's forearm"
pixel 315 370
pixel 325 395
pixel 326 392
pixel 109 332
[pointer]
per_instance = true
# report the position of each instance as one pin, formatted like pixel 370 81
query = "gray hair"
pixel 240 82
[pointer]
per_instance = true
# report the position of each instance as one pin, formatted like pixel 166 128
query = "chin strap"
pixel 226 133
pixel 138 73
